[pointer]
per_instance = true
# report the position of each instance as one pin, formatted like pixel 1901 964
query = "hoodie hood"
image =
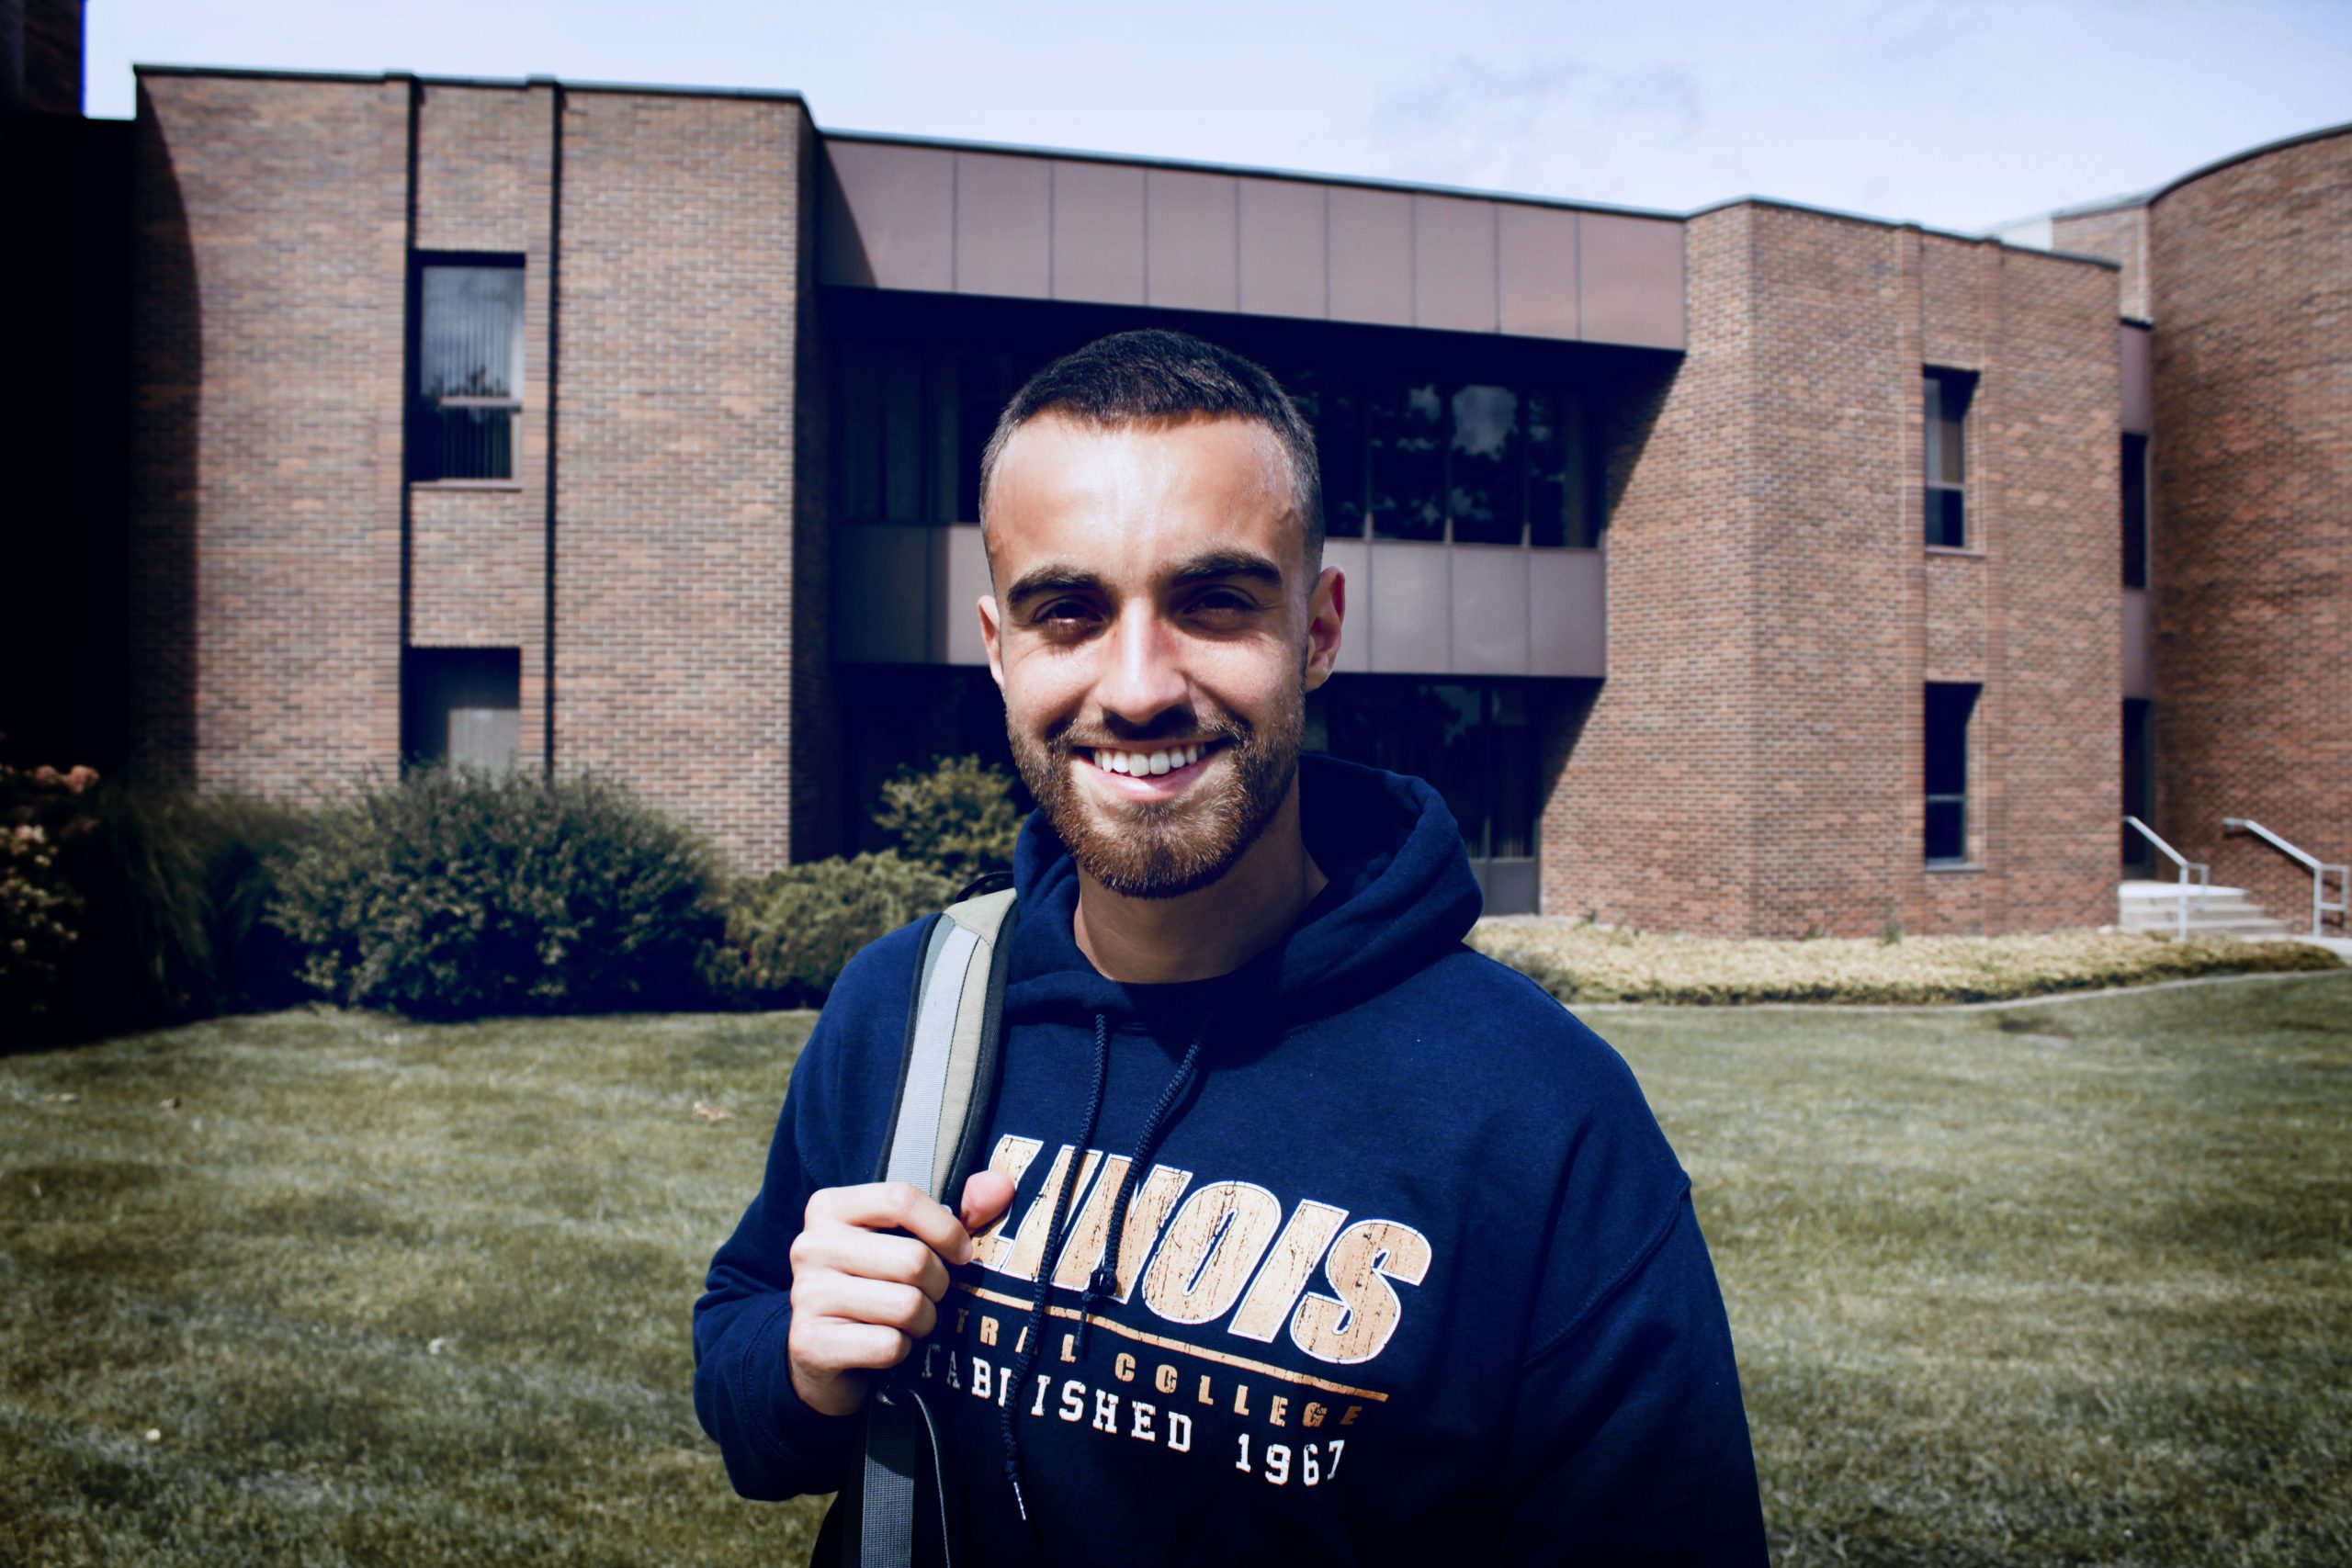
pixel 1400 893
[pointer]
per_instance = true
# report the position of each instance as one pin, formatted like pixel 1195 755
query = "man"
pixel 1403 1268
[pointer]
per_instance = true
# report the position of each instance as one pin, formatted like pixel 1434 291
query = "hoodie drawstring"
pixel 1057 1233
pixel 1103 1281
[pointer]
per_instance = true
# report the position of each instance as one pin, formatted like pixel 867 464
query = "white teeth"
pixel 1140 764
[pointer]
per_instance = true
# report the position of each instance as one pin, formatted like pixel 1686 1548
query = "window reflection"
pixel 1471 740
pixel 1406 435
pixel 1488 462
pixel 1484 495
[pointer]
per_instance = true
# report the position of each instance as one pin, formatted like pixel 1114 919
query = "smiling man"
pixel 1307 1234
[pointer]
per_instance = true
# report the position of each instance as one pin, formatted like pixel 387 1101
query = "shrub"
pixel 178 885
pixel 40 911
pixel 959 818
pixel 458 893
pixel 789 933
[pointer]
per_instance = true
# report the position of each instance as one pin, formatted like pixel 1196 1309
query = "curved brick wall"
pixel 2251 282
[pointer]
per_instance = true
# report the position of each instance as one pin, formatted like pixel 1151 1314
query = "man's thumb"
pixel 986 1195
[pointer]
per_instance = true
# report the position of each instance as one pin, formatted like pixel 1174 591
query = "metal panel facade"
pixel 1003 242
pixel 1535 271
pixel 1192 260
pixel 1284 249
pixel 1372 256
pixel 901 202
pixel 1453 263
pixel 1630 279
pixel 1098 232
pixel 1489 601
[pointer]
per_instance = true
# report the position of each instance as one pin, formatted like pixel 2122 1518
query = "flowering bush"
pixel 41 913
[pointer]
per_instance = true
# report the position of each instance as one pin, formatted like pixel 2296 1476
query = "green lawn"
pixel 2067 1282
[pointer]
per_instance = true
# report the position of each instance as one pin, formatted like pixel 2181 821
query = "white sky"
pixel 1958 113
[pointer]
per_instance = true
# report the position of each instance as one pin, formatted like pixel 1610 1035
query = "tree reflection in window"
pixel 1408 439
pixel 1484 494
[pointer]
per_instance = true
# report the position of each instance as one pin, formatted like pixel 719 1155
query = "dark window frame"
pixel 422 409
pixel 2136 486
pixel 1946 764
pixel 1946 494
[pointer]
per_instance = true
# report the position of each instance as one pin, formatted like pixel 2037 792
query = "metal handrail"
pixel 2204 876
pixel 2319 869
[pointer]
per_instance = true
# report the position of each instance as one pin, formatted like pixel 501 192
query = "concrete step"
pixel 2220 911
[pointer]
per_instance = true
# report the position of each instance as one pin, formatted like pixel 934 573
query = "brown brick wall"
pixel 2251 267
pixel 53 70
pixel 478 558
pixel 682 275
pixel 2051 442
pixel 268 309
pixel 1650 782
pixel 1754 761
pixel 2121 235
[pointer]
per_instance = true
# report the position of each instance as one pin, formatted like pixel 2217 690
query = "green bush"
pixel 179 885
pixel 959 818
pixel 789 933
pixel 456 893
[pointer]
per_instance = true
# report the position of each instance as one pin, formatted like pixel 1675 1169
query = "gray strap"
pixel 942 1058
pixel 887 1511
pixel 914 1146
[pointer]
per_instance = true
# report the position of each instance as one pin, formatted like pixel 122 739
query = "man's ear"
pixel 1327 606
pixel 990 638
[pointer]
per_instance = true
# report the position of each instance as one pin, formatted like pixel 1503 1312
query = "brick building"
pixel 1757 569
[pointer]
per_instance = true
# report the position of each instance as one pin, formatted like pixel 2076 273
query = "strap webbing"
pixel 947 1050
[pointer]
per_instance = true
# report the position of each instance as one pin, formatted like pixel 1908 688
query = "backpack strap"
pixel 945 1081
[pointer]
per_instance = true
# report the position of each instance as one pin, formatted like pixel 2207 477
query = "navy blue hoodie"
pixel 1407 1270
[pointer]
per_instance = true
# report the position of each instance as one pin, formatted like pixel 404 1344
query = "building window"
pixel 1472 742
pixel 2135 511
pixel 462 707
pixel 1947 396
pixel 1469 462
pixel 908 425
pixel 1948 708
pixel 1489 460
pixel 468 353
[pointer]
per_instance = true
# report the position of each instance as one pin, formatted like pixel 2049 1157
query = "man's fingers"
pixel 894 1205
pixel 987 1194
pixel 869 1254
pixel 880 1303
pixel 828 1346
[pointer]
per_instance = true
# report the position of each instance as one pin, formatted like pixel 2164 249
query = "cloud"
pixel 1557 126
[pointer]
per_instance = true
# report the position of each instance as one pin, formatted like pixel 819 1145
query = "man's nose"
pixel 1146 677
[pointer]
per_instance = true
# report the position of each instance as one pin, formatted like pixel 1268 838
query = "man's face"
pixel 1155 632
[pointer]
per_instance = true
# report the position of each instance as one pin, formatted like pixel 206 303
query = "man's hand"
pixel 862 1297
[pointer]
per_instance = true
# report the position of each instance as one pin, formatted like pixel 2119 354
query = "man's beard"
pixel 1162 848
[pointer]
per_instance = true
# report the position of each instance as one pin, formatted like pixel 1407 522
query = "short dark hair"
pixel 1154 375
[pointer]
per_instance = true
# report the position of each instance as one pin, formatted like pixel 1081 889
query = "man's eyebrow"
pixel 1215 564
pixel 1053 577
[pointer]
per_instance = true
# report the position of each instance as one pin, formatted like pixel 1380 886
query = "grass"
pixel 2067 1282
pixel 390 1295
pixel 1583 963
